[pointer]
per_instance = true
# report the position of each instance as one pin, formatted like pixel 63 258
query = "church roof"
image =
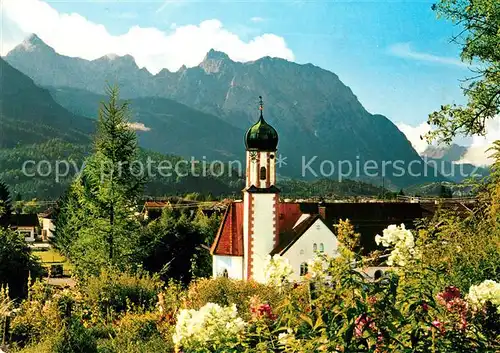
pixel 261 136
pixel 229 238
pixel 368 219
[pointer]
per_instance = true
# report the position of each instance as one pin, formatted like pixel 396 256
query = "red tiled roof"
pixel 289 214
pixel 229 239
pixel 289 237
pixel 370 218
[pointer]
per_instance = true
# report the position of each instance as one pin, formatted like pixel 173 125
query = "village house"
pixel 47 224
pixel 25 224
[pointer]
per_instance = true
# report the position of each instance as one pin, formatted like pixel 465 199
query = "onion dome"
pixel 261 136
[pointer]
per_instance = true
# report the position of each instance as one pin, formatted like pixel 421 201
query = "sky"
pixel 396 56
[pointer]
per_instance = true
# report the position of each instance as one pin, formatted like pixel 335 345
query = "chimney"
pixel 322 210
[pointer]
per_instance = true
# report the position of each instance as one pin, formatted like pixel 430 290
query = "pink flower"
pixel 425 306
pixel 439 325
pixel 362 322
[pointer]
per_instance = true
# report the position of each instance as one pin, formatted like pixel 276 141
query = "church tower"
pixel 260 197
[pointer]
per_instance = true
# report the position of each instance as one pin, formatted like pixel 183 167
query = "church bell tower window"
pixel 263 173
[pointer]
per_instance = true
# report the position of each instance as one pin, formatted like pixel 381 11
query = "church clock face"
pixel 253 156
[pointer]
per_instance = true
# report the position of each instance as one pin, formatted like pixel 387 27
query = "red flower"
pixel 448 294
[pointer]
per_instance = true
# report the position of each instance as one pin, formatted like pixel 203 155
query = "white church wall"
pixel 303 249
pixel 263 232
pixel 246 205
pixel 233 265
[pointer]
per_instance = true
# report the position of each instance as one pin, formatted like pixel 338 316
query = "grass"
pixel 52 257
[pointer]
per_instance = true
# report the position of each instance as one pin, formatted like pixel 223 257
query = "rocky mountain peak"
pixel 214 60
pixel 33 43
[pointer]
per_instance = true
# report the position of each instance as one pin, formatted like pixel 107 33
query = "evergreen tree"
pixel 16 263
pixel 96 226
pixel 5 205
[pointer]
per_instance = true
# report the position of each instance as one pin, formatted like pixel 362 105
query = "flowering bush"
pixel 277 270
pixel 316 268
pixel 451 299
pixel 402 242
pixel 487 291
pixel 211 327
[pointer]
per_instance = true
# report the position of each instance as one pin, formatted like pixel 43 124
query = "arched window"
pixel 321 247
pixel 302 252
pixel 225 273
pixel 315 247
pixel 263 173
pixel 303 269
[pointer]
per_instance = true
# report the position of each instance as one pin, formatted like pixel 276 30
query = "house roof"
pixel 368 219
pixel 156 204
pixel 287 239
pixel 24 220
pixel 47 213
pixel 229 238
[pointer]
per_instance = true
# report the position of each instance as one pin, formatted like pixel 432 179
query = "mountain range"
pixel 204 110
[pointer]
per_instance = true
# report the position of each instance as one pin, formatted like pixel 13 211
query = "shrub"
pixel 137 333
pixel 225 291
pixel 116 292
pixel 36 318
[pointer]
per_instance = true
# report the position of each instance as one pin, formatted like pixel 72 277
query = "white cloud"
pixel 138 127
pixel 415 135
pixel 477 152
pixel 73 35
pixel 257 19
pixel 404 50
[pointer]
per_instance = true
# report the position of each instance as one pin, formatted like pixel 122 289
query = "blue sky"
pixel 395 55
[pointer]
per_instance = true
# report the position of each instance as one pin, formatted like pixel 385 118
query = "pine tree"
pixel 5 205
pixel 96 226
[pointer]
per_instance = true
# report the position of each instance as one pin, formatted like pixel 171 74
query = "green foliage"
pixel 328 188
pixel 137 333
pixel 17 263
pixel 5 204
pixel 224 291
pixel 176 245
pixel 479 24
pixel 97 227
pixel 347 236
pixel 113 293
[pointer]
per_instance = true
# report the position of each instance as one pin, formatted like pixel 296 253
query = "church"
pixel 261 225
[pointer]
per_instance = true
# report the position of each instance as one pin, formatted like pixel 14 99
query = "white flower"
pixel 402 242
pixel 317 267
pixel 488 290
pixel 210 326
pixel 277 270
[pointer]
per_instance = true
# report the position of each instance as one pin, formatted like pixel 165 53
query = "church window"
pixel 263 173
pixel 321 247
pixel 303 269
pixel 225 273
pixel 302 252
pixel 315 247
